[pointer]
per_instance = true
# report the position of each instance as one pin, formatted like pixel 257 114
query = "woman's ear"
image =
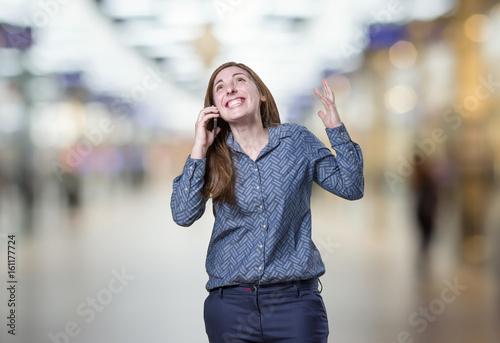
pixel 263 98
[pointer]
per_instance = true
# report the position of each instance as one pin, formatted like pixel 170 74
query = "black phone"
pixel 215 128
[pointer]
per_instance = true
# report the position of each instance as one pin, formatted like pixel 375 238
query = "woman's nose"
pixel 230 89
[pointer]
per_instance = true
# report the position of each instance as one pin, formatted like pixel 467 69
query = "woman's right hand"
pixel 203 137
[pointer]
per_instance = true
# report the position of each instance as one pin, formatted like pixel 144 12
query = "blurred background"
pixel 98 101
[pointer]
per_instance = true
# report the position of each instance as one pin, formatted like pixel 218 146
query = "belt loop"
pixel 296 286
pixel 220 292
pixel 321 285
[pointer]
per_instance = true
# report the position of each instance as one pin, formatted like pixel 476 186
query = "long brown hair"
pixel 220 173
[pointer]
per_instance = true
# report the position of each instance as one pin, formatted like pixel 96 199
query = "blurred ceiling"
pixel 289 44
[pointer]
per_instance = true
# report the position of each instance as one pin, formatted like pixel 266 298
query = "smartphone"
pixel 215 128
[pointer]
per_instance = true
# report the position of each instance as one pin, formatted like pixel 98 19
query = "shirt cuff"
pixel 338 135
pixel 194 167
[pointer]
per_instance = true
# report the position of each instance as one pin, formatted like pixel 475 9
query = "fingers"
pixel 209 116
pixel 326 102
pixel 319 95
pixel 206 114
pixel 329 99
pixel 203 137
pixel 331 118
pixel 328 91
pixel 207 110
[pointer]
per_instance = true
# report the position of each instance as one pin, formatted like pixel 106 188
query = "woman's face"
pixel 236 95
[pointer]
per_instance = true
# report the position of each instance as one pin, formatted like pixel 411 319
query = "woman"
pixel 262 264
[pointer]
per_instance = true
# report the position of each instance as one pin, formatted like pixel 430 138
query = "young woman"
pixel 262 265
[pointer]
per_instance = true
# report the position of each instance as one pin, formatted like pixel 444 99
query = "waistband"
pixel 273 288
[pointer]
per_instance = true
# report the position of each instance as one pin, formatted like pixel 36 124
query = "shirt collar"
pixel 275 134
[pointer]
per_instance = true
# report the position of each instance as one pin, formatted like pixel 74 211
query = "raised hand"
pixel 331 119
pixel 203 137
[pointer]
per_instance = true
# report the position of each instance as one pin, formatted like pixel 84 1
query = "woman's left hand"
pixel 331 119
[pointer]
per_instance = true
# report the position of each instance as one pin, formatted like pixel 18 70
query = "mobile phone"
pixel 215 128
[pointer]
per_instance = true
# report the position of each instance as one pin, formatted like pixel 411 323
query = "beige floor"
pixel 371 288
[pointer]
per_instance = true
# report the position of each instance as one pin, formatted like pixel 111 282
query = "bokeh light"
pixel 400 99
pixel 478 28
pixel 403 54
pixel 340 85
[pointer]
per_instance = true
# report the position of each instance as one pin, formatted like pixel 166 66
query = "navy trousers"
pixel 289 312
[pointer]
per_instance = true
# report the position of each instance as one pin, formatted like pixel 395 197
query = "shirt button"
pixel 260 206
pixel 186 189
pixel 191 167
pixel 341 133
pixel 260 246
pixel 350 152
pixel 264 226
pixel 260 268
pixel 257 187
pixel 256 169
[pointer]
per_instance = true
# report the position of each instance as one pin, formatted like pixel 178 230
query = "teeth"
pixel 234 103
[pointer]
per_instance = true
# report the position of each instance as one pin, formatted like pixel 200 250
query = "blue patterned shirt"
pixel 266 237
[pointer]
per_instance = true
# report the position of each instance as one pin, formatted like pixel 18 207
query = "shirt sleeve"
pixel 341 175
pixel 187 203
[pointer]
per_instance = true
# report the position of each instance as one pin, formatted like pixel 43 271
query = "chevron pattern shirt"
pixel 266 237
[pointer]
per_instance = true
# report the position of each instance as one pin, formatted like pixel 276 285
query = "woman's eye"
pixel 219 87
pixel 241 79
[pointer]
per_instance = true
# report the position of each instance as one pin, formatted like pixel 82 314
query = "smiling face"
pixel 236 95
